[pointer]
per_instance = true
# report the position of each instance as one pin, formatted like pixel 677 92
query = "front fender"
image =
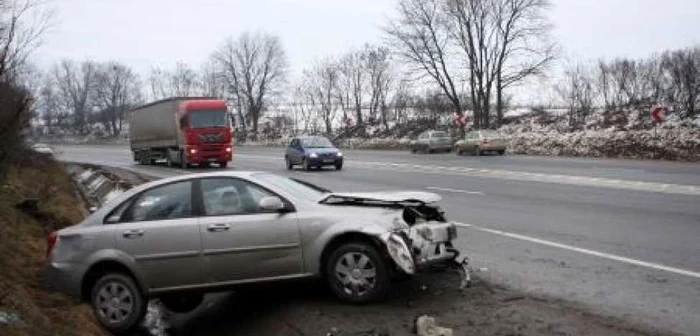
pixel 393 244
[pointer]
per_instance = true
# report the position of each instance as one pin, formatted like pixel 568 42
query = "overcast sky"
pixel 146 33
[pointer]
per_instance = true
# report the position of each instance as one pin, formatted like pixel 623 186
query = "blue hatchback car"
pixel 312 152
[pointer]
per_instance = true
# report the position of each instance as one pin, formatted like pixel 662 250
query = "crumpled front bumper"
pixel 425 245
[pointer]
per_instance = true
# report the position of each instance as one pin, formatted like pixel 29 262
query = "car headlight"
pixel 339 154
pixel 313 155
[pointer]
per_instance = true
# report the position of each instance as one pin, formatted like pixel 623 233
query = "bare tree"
pixel 183 81
pixel 211 81
pixel 117 89
pixel 503 42
pixel 319 86
pixel 22 24
pixel 577 90
pixel 351 85
pixel 254 67
pixel 19 35
pixel 380 79
pixel 75 83
pixel 683 71
pixel 526 48
pixel 421 37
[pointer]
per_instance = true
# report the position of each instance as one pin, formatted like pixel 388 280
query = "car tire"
pixel 183 303
pixel 458 151
pixel 357 273
pixel 290 166
pixel 413 150
pixel 339 166
pixel 118 303
pixel 477 151
pixel 501 152
pixel 305 164
pixel 223 164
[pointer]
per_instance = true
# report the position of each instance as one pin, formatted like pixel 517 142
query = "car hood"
pixel 390 196
pixel 321 150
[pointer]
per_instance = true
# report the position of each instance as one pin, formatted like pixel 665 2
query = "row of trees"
pixel 356 84
pixel 474 50
pixel 671 79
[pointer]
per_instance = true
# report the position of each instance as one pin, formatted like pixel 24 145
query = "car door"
pixel 290 152
pixel 469 142
pixel 160 231
pixel 297 151
pixel 422 141
pixel 242 242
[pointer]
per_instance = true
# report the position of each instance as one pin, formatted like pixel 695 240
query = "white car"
pixel 42 149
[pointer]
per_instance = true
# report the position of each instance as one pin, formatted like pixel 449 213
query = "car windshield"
pixel 490 134
pixel 292 187
pixel 207 118
pixel 316 142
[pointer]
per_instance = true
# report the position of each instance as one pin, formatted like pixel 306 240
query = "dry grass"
pixel 23 250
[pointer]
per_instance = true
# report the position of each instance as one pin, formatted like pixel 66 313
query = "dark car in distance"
pixel 312 152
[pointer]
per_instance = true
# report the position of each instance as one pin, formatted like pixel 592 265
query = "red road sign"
pixel 658 114
pixel 461 119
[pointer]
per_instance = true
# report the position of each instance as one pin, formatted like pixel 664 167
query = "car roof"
pixel 238 174
pixel 309 137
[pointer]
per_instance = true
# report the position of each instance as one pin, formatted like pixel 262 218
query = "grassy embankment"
pixel 36 198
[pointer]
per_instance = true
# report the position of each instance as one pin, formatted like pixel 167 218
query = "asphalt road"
pixel 619 237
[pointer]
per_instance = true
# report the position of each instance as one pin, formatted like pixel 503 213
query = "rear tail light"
pixel 193 151
pixel 50 242
pixel 228 149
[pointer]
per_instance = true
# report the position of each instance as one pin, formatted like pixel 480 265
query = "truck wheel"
pixel 117 303
pixel 501 152
pixel 183 160
pixel 357 273
pixel 223 164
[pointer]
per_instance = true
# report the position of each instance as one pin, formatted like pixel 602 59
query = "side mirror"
pixel 271 203
pixel 112 220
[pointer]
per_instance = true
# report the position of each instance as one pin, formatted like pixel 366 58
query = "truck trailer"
pixel 183 131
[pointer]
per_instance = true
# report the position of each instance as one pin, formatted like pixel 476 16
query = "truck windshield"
pixel 207 118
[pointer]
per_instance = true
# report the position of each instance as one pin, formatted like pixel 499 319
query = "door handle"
pixel 133 234
pixel 218 227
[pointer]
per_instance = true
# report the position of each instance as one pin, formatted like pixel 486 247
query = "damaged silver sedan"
pixel 178 238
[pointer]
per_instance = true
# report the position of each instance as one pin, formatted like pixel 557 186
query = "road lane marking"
pixel 456 190
pixel 584 251
pixel 588 181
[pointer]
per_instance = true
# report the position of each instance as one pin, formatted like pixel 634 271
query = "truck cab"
pixel 205 132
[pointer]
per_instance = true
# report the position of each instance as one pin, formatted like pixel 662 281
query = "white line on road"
pixel 456 190
pixel 585 251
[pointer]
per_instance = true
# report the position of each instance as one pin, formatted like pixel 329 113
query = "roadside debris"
pixel 426 326
pixel 155 321
pixel 7 317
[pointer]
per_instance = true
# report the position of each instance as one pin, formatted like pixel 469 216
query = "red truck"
pixel 182 131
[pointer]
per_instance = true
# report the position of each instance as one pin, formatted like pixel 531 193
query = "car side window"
pixel 294 143
pixel 229 196
pixel 116 215
pixel 171 201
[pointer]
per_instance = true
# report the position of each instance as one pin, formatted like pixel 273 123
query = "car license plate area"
pixel 328 160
